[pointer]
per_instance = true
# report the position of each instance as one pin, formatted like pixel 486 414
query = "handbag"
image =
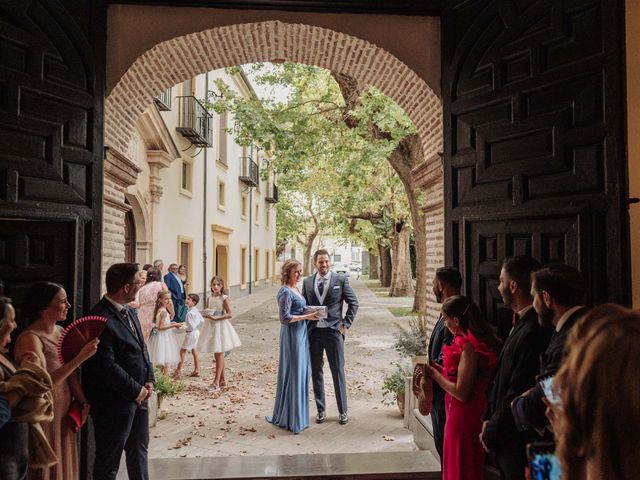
pixel 422 387
pixel 74 416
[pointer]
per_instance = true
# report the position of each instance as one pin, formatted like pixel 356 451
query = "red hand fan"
pixel 78 334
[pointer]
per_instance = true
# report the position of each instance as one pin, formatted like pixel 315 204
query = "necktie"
pixel 125 314
pixel 514 320
pixel 321 286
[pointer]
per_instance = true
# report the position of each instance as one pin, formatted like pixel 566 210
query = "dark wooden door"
pixel 534 140
pixel 51 117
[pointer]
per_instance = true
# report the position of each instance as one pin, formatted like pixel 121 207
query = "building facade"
pixel 194 197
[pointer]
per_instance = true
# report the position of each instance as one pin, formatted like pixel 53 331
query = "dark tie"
pixel 321 286
pixel 515 319
pixel 125 314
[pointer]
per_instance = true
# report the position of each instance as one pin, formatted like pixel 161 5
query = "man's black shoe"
pixel 343 419
pixel 320 417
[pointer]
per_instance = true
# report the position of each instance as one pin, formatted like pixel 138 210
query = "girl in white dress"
pixel 163 346
pixel 218 335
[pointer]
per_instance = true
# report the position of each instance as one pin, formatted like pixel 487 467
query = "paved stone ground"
pixel 199 423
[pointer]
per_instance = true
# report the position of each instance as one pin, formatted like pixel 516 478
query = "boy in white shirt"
pixel 192 323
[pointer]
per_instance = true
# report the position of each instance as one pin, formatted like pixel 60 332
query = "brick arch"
pixel 173 61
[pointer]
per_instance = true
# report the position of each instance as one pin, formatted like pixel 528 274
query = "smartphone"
pixel 550 390
pixel 543 463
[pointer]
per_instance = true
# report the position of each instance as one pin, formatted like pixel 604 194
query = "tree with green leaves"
pixel 333 150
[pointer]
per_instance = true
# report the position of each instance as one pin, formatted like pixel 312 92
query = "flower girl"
pixel 192 322
pixel 163 346
pixel 218 335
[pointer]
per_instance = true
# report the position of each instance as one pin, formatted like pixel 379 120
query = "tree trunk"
pixel 406 156
pixel 308 247
pixel 373 267
pixel 401 278
pixel 385 264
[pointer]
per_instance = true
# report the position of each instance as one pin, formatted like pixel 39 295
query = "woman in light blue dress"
pixel 291 410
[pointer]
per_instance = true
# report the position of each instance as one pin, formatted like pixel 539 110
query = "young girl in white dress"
pixel 163 346
pixel 218 335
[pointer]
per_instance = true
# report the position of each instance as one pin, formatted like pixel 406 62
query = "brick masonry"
pixel 171 62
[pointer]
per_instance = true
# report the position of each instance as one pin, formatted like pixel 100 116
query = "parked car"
pixel 341 268
pixel 355 267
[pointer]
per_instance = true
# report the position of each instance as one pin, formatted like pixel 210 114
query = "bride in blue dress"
pixel 291 409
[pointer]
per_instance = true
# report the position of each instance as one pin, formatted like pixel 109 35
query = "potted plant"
pixel 165 386
pixel 412 341
pixel 393 386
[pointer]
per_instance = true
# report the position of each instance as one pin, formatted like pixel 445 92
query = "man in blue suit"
pixel 176 287
pixel 446 283
pixel 327 334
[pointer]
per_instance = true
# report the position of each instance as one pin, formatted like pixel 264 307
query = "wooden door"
pixel 51 97
pixel 534 151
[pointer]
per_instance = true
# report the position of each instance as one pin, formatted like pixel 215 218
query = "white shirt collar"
pixel 118 306
pixel 524 311
pixel 566 316
pixel 320 278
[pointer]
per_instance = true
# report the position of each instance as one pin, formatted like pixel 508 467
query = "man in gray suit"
pixel 331 290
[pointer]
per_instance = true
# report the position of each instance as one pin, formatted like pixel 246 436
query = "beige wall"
pixel 633 135
pixel 126 41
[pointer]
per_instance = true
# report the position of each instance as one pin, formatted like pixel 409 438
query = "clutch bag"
pixel 320 309
pixel 74 416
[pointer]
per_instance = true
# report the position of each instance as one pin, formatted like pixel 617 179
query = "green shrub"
pixel 412 341
pixel 165 386
pixel 393 383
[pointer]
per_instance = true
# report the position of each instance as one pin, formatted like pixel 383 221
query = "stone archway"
pixel 171 62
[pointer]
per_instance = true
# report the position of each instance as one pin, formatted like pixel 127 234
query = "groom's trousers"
pixel 331 341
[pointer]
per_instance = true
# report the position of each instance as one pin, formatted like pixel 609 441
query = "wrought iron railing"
pixel 272 193
pixel 249 172
pixel 163 100
pixel 194 121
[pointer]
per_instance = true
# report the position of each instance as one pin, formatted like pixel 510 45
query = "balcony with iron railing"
pixel 194 121
pixel 249 172
pixel 272 193
pixel 163 100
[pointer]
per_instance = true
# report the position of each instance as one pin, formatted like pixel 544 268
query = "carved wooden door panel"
pixel 534 141
pixel 51 97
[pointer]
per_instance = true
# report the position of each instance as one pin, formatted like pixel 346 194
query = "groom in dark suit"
pixel 331 290
pixel 119 379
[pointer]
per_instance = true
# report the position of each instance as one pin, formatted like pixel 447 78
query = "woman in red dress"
pixel 467 366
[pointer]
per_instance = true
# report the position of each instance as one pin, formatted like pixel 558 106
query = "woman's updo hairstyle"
pixel 39 298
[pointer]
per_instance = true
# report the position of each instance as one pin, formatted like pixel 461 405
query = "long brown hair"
pixel 471 319
pixel 219 280
pixel 158 306
pixel 599 423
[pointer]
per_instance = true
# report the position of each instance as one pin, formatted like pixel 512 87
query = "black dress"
pixel 14 443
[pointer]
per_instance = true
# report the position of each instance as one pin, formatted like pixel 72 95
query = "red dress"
pixel 463 455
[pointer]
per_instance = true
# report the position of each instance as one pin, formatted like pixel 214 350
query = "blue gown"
pixel 291 410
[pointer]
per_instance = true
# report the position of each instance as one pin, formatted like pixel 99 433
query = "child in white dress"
pixel 163 346
pixel 218 335
pixel 192 323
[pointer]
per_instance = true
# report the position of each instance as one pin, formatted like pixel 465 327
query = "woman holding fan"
pixel 45 306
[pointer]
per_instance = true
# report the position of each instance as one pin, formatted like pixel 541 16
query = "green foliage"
pixel 165 386
pixel 412 341
pixel 329 172
pixel 393 383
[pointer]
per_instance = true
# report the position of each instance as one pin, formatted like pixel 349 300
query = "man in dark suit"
pixel 119 379
pixel 446 283
pixel 333 291
pixel 558 298
pixel 178 293
pixel 516 371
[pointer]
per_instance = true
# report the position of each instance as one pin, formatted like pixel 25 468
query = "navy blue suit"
pixel 178 294
pixel 440 336
pixel 112 380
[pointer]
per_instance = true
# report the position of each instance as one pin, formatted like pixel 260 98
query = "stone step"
pixel 344 466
